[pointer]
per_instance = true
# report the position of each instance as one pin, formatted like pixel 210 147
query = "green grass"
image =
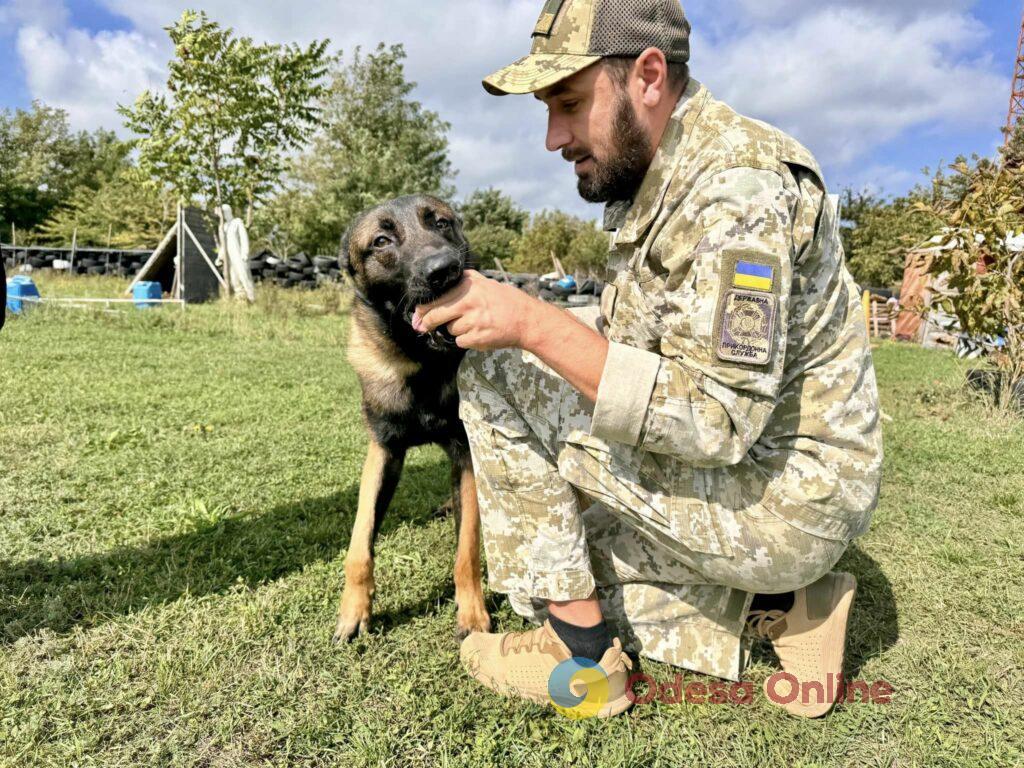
pixel 176 493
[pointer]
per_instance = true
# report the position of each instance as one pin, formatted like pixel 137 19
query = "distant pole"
pixel 1017 90
pixel 74 249
pixel 14 238
pixel 110 235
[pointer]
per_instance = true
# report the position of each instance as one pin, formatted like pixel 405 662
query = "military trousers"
pixel 674 552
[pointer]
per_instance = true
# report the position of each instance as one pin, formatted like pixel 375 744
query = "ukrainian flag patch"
pixel 755 277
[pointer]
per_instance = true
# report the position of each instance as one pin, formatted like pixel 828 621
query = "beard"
pixel 618 176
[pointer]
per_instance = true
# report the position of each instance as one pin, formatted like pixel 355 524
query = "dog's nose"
pixel 440 270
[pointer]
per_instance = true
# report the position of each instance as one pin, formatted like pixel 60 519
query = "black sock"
pixel 584 642
pixel 782 602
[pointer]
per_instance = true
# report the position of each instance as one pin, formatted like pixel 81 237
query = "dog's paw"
pixel 445 510
pixel 350 627
pixel 353 615
pixel 471 620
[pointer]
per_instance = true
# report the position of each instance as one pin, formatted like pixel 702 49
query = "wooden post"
pixel 866 304
pixel 222 252
pixel 501 269
pixel 74 248
pixel 110 237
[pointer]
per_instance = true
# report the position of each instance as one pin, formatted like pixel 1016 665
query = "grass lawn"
pixel 176 494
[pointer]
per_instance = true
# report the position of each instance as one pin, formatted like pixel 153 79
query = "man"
pixel 715 435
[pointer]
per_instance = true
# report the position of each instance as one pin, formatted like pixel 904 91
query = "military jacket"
pixel 738 341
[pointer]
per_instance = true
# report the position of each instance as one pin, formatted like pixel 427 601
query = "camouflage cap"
pixel 573 34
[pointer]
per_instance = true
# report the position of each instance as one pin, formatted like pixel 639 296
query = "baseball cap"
pixel 570 35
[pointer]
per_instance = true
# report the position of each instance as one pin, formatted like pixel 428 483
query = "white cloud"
pixel 89 75
pixel 45 14
pixel 846 80
pixel 845 77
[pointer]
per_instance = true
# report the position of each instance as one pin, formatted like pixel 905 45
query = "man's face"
pixel 594 123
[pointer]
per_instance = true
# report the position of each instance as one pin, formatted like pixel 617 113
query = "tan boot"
pixel 524 664
pixel 810 640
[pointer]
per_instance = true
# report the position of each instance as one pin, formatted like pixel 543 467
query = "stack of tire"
pixel 299 271
pixel 116 263
pixel 547 287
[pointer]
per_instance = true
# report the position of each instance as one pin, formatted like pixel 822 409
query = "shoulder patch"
pixel 746 327
pixel 546 22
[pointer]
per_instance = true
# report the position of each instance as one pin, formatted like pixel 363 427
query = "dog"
pixel 402 253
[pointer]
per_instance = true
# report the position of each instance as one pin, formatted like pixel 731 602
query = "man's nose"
pixel 559 135
pixel 440 269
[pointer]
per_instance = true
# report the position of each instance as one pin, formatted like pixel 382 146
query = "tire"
pixel 295 276
pixel 324 263
pixel 96 270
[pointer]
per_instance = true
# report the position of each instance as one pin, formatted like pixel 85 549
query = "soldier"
pixel 714 434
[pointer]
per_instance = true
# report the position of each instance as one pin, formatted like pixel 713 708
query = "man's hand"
pixel 484 314
pixel 480 313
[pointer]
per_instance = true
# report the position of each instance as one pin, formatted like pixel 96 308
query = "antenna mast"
pixel 1017 92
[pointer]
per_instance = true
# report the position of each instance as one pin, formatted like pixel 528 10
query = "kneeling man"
pixel 694 462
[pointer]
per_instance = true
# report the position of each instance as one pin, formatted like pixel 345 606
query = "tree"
pixel 234 111
pixel 42 162
pixel 493 224
pixel 377 143
pixel 578 244
pixel 128 211
pixel 982 264
pixel 883 235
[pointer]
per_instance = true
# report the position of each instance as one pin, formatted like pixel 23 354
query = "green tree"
pixel 980 273
pixel 493 224
pixel 127 211
pixel 578 244
pixel 886 231
pixel 233 112
pixel 377 143
pixel 42 162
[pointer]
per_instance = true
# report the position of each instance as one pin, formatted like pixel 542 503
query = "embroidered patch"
pixel 757 277
pixel 746 327
pixel 546 22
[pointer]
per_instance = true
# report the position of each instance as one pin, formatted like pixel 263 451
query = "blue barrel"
pixel 145 293
pixel 568 282
pixel 20 288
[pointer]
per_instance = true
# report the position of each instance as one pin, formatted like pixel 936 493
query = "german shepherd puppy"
pixel 406 252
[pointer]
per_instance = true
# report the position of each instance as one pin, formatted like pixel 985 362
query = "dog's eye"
pixel 442 224
pixel 382 242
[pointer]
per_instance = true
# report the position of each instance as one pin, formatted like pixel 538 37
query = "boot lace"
pixel 760 623
pixel 516 642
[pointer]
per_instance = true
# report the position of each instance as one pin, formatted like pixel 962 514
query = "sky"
pixel 877 89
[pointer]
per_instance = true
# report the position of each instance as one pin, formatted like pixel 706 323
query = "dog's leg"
pixel 469 596
pixel 376 488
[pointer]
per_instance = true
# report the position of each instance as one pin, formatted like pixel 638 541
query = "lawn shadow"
pixel 874 621
pixel 249 550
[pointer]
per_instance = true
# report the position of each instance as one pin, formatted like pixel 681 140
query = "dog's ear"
pixel 344 259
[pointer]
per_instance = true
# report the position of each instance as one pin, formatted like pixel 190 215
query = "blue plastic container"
pixel 145 293
pixel 20 288
pixel 568 282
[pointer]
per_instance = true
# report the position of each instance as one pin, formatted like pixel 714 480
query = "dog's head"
pixel 405 252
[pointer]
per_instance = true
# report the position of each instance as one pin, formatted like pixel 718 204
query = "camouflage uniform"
pixel 735 444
